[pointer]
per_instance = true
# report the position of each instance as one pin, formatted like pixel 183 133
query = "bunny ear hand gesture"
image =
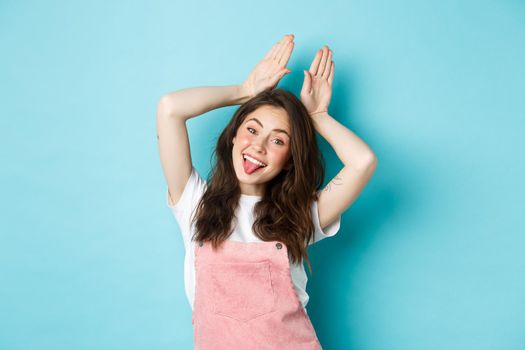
pixel 269 71
pixel 317 86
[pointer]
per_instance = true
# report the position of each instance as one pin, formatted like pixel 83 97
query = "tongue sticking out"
pixel 250 167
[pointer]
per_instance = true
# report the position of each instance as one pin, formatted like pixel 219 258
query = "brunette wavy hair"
pixel 283 213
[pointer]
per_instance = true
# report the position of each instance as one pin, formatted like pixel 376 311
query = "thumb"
pixel 307 81
pixel 280 75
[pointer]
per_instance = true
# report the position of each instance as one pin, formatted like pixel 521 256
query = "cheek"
pixel 243 140
pixel 242 137
pixel 241 143
pixel 281 156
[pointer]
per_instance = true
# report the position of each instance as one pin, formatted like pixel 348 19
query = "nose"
pixel 257 146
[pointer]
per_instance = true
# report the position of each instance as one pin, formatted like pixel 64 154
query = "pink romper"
pixel 245 299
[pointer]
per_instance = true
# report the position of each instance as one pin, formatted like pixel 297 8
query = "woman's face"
pixel 256 136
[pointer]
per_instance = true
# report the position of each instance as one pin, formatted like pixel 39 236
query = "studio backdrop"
pixel 429 257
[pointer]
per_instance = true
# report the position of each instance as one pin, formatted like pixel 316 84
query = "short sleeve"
pixel 319 233
pixel 188 201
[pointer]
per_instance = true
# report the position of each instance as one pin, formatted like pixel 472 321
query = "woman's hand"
pixel 271 69
pixel 317 86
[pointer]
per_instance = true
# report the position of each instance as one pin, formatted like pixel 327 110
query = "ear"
pixel 233 140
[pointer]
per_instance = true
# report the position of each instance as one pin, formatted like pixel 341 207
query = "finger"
pixel 279 47
pixel 307 84
pixel 315 63
pixel 278 77
pixel 283 48
pixel 331 75
pixel 322 64
pixel 328 65
pixel 286 54
pixel 271 53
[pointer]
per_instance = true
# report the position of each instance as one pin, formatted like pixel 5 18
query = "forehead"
pixel 270 117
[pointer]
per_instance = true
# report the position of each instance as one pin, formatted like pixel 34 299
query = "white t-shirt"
pixel 189 199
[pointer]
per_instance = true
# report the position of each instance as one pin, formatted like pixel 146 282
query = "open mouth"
pixel 251 165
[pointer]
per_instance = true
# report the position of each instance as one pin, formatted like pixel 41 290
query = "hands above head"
pixel 317 86
pixel 271 68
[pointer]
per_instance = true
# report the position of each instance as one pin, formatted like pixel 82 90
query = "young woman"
pixel 247 228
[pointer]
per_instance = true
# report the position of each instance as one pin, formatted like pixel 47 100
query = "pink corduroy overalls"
pixel 245 299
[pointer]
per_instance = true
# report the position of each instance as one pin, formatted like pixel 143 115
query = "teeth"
pixel 255 161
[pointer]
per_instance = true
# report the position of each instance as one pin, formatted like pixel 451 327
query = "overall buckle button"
pixel 278 245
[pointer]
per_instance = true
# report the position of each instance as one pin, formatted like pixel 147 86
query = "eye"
pixel 280 143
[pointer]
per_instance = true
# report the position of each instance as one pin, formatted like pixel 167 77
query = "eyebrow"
pixel 259 122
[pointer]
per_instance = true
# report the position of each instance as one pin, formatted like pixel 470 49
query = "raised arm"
pixel 173 111
pixel 175 108
pixel 358 159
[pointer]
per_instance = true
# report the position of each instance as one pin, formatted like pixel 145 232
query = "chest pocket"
pixel 242 291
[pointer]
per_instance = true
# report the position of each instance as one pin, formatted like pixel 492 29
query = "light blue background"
pixel 429 257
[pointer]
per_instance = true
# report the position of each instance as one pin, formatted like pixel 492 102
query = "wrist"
pixel 242 94
pixel 323 112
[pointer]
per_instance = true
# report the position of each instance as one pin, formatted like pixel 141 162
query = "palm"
pixel 271 68
pixel 317 86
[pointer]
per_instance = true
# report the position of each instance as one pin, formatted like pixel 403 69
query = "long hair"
pixel 283 213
